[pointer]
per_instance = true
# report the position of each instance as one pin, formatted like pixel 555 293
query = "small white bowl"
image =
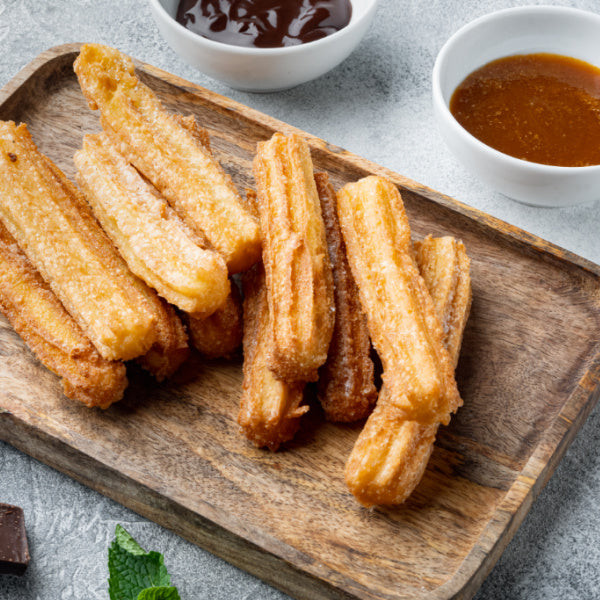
pixel 524 30
pixel 263 69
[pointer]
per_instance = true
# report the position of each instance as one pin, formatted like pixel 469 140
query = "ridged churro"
pixel 170 349
pixel 392 452
pixel 168 154
pixel 156 245
pixel 444 265
pixel 345 389
pixel 220 334
pixel 402 321
pixel 270 409
pixel 298 272
pixel 51 333
pixel 54 227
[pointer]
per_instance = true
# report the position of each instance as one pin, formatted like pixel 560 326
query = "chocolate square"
pixel 14 551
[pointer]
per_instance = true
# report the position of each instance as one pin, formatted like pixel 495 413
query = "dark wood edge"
pixel 518 499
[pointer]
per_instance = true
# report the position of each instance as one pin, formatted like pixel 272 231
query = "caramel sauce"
pixel 544 108
pixel 264 23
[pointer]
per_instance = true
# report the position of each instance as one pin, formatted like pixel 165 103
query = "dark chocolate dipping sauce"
pixel 264 23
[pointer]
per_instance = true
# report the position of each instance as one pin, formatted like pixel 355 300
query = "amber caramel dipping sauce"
pixel 544 108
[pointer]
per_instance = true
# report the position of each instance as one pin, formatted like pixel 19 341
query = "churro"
pixel 404 327
pixel 392 452
pixel 53 225
pixel 168 154
pixel 345 389
pixel 298 272
pixel 156 245
pixel 51 333
pixel 270 409
pixel 170 349
pixel 220 334
pixel 444 265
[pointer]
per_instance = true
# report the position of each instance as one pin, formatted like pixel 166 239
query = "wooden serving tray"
pixel 529 375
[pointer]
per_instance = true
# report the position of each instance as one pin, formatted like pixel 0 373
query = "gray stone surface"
pixel 376 104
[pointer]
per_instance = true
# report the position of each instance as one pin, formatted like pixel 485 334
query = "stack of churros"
pixel 289 309
pixel 416 301
pixel 341 271
pixel 392 451
pixel 168 154
pixel 101 274
pixel 143 254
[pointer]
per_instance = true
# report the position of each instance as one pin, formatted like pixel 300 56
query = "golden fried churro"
pixel 154 242
pixel 45 326
pixel 220 334
pixel 270 409
pixel 444 265
pixel 346 389
pixel 171 348
pixel 298 272
pixel 53 225
pixel 392 452
pixel 401 317
pixel 200 134
pixel 168 154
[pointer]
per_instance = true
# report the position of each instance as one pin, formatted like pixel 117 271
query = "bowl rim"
pixel 458 129
pixel 287 50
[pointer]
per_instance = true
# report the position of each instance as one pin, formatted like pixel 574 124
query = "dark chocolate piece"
pixel 14 551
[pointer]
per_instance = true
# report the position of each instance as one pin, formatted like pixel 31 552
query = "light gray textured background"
pixel 376 104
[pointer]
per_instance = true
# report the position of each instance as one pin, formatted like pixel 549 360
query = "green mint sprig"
pixel 135 574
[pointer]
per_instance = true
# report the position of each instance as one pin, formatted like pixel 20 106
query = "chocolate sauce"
pixel 264 23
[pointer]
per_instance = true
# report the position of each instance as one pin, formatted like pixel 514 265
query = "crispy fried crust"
pixel 53 336
pixel 219 335
pixel 200 134
pixel 154 242
pixel 346 389
pixel 168 154
pixel 53 225
pixel 298 272
pixel 171 349
pixel 270 409
pixel 445 267
pixel 392 452
pixel 402 321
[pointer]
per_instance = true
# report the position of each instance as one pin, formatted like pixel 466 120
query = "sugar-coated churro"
pixel 298 272
pixel 220 334
pixel 170 349
pixel 401 317
pixel 345 389
pixel 270 409
pixel 392 452
pixel 168 154
pixel 155 243
pixel 51 333
pixel 53 225
pixel 445 267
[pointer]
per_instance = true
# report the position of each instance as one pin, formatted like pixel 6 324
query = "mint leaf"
pixel 126 541
pixel 131 569
pixel 159 593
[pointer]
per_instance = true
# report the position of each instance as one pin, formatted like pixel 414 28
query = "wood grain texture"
pixel 529 375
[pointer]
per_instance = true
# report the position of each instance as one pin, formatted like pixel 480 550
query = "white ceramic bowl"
pixel 263 69
pixel 523 30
